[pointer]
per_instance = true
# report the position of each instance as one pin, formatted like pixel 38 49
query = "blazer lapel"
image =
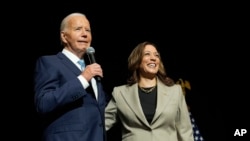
pixel 163 98
pixel 68 63
pixel 132 98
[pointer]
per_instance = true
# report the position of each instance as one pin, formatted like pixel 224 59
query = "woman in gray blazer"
pixel 150 106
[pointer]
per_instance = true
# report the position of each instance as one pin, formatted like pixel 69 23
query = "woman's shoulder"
pixel 172 89
pixel 172 86
pixel 123 86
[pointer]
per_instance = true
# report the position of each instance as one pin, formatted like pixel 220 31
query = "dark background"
pixel 205 43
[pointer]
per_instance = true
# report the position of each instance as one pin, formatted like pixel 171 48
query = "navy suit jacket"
pixel 69 112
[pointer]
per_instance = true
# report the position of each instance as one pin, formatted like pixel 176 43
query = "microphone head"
pixel 90 50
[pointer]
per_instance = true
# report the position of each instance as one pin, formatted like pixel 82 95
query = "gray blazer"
pixel 171 121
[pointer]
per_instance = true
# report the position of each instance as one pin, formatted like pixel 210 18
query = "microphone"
pixel 91 55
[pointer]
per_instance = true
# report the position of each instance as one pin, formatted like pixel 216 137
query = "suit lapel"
pixel 132 98
pixel 68 63
pixel 163 99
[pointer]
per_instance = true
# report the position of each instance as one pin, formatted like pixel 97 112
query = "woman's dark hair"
pixel 134 61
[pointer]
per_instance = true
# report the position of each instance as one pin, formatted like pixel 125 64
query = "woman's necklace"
pixel 147 90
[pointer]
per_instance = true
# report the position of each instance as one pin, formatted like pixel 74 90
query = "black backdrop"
pixel 204 43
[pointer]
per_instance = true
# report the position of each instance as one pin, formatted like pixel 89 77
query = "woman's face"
pixel 150 61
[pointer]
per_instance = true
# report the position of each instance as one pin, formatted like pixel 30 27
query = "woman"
pixel 150 106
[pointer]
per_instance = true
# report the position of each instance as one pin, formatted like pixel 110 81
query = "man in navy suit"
pixel 69 99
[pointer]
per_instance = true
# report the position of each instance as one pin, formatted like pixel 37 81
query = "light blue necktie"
pixel 82 63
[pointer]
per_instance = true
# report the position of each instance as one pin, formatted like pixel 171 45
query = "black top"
pixel 148 103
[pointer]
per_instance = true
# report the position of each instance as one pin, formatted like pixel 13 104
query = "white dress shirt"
pixel 84 82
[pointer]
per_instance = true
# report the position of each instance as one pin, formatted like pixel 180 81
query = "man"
pixel 67 95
